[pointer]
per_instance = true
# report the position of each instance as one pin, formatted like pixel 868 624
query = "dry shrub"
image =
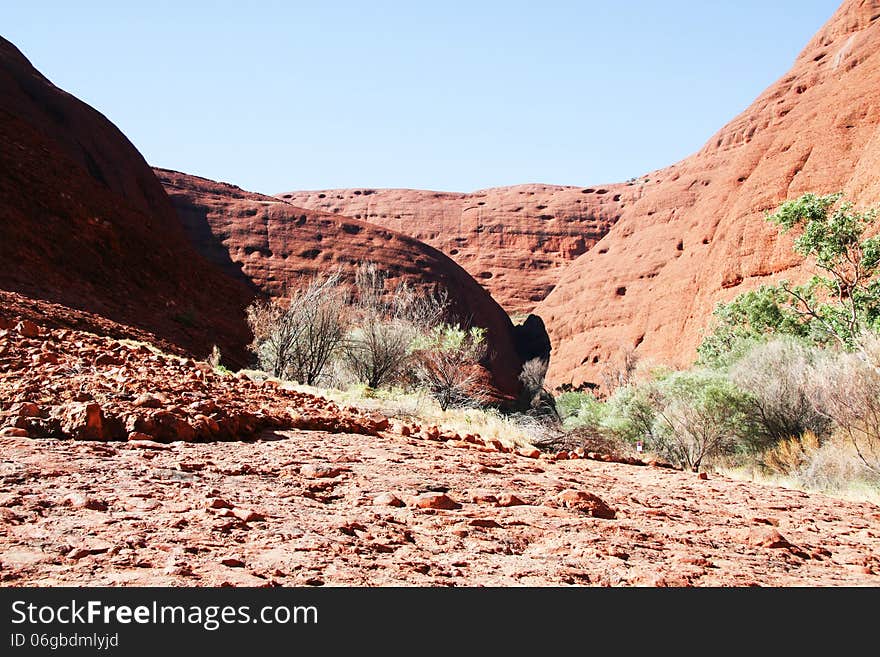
pixel 846 389
pixel 835 467
pixel 387 320
pixel 447 365
pixel 791 454
pixel 534 396
pixel 214 358
pixel 776 375
pixel 619 372
pixel 296 338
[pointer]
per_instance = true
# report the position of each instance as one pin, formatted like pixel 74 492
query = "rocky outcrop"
pixel 65 383
pixel 88 226
pixel 84 223
pixel 514 240
pixel 695 235
pixel 270 244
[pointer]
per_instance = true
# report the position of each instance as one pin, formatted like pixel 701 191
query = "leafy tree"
pixel 750 318
pixel 845 298
pixel 835 306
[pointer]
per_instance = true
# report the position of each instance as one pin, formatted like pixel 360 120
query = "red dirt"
pixel 328 495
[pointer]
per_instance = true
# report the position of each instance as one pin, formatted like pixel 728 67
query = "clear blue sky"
pixel 275 96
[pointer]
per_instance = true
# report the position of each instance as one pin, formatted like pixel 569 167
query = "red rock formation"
pixel 514 240
pixel 271 243
pixel 696 235
pixel 84 223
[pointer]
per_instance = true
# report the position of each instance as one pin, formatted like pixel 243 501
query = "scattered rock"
pixel 149 400
pixel 232 562
pixel 138 440
pixel 435 501
pixel 487 523
pixel 587 503
pixel 248 515
pixel 508 499
pixel 28 409
pixel 85 421
pixel 387 499
pixel 317 471
pixel 78 553
pixel 83 501
pixel 27 329
pixel 767 537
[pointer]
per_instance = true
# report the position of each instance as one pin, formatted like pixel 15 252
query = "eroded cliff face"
pixel 85 224
pixel 270 243
pixel 696 234
pixel 515 241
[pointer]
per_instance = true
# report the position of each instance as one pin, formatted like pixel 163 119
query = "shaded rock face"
pixel 514 240
pixel 84 223
pixel 696 236
pixel 270 244
pixel 532 340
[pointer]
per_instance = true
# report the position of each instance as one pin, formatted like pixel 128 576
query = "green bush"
pixel 700 415
pixel 580 409
pixel 688 417
pixel 630 414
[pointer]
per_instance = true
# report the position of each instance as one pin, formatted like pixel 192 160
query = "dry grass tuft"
pixel 790 455
pixel 421 408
